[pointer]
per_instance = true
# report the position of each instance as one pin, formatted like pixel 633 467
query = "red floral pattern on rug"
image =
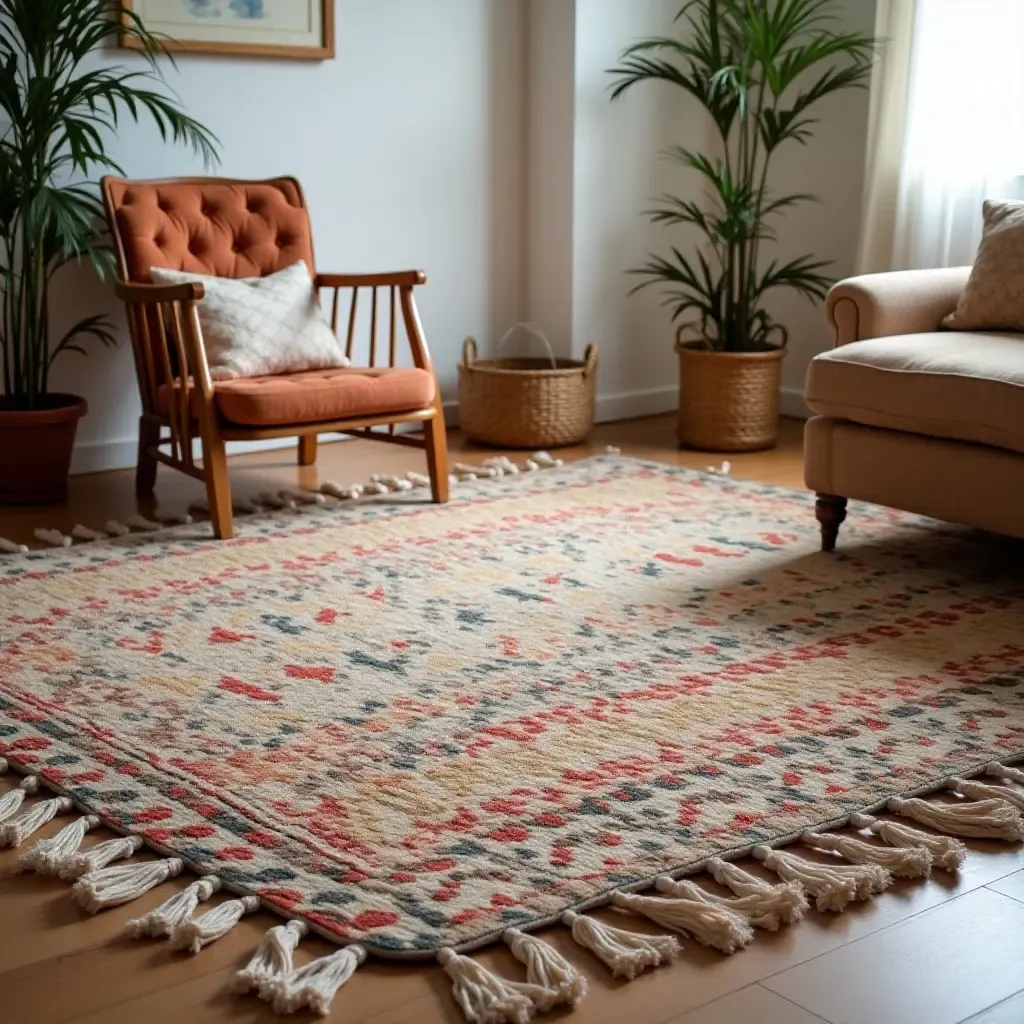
pixel 416 725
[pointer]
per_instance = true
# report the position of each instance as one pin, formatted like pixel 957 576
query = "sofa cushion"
pixel 993 299
pixel 969 387
pixel 318 396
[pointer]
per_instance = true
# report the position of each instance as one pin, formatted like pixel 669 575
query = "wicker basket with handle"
pixel 526 403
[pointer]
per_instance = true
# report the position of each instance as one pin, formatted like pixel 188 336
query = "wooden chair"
pixel 238 229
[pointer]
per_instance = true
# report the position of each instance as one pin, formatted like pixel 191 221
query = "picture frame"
pixel 292 29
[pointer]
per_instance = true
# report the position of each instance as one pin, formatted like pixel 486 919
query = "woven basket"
pixel 526 403
pixel 728 401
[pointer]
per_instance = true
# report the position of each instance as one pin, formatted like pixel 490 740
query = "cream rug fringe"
pixel 291 499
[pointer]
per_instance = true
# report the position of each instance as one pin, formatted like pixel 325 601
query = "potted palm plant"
pixel 759 68
pixel 61 111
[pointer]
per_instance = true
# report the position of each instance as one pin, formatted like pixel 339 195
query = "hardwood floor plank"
pixel 755 1003
pixel 1012 886
pixel 938 968
pixel 1009 1011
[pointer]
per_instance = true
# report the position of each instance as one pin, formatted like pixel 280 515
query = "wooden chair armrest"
pixel 398 279
pixel 168 340
pixel 134 294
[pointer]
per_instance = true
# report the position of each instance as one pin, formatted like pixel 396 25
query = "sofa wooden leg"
pixel 307 450
pixel 145 467
pixel 831 513
pixel 437 456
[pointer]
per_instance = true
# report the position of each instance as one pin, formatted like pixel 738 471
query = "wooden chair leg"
pixel 218 486
pixel 307 450
pixel 437 456
pixel 830 511
pixel 145 468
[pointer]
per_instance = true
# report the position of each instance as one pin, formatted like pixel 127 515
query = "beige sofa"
pixel 911 416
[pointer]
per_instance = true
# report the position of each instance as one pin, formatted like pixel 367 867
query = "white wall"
pixel 619 171
pixel 410 146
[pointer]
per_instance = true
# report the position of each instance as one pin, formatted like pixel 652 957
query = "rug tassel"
pixel 272 962
pixel 99 856
pixel 116 529
pixel 110 887
pixel 487 998
pixel 272 499
pixel 504 465
pixel 710 925
pixel 194 934
pixel 418 479
pixel 788 899
pixel 142 523
pixel 787 902
pixel 48 856
pixel 547 969
pixel 8 547
pixel 302 497
pixel 54 538
pixel 174 911
pixel 392 483
pixel 905 862
pixel 17 830
pixel 4 765
pixel 626 953
pixel 174 518
pixel 977 819
pixel 12 800
pixel 1000 771
pixel 947 853
pixel 342 493
pixel 84 533
pixel 316 984
pixel 833 886
pixel 983 791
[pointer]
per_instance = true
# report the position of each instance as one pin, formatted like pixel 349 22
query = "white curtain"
pixel 952 85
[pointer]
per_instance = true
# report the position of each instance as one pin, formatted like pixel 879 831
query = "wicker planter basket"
pixel 526 403
pixel 728 401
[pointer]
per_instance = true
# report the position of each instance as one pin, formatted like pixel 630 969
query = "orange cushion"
pixel 318 396
pixel 202 226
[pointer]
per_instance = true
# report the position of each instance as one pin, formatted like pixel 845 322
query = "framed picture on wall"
pixel 302 29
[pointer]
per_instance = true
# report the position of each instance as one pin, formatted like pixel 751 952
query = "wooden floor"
pixel 941 952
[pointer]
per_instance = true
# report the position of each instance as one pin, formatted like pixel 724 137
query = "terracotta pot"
pixel 728 401
pixel 35 449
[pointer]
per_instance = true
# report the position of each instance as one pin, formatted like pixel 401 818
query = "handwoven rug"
pixel 414 726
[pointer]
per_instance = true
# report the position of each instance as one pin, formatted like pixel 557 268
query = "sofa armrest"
pixel 902 302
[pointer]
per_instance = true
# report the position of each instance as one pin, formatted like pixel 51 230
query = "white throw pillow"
pixel 259 326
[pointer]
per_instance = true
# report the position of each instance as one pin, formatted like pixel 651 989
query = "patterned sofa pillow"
pixel 994 297
pixel 261 326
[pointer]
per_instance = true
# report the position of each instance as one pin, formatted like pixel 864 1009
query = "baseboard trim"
pixel 629 405
pixel 794 404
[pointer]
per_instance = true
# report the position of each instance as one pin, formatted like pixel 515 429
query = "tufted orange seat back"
pixel 208 226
